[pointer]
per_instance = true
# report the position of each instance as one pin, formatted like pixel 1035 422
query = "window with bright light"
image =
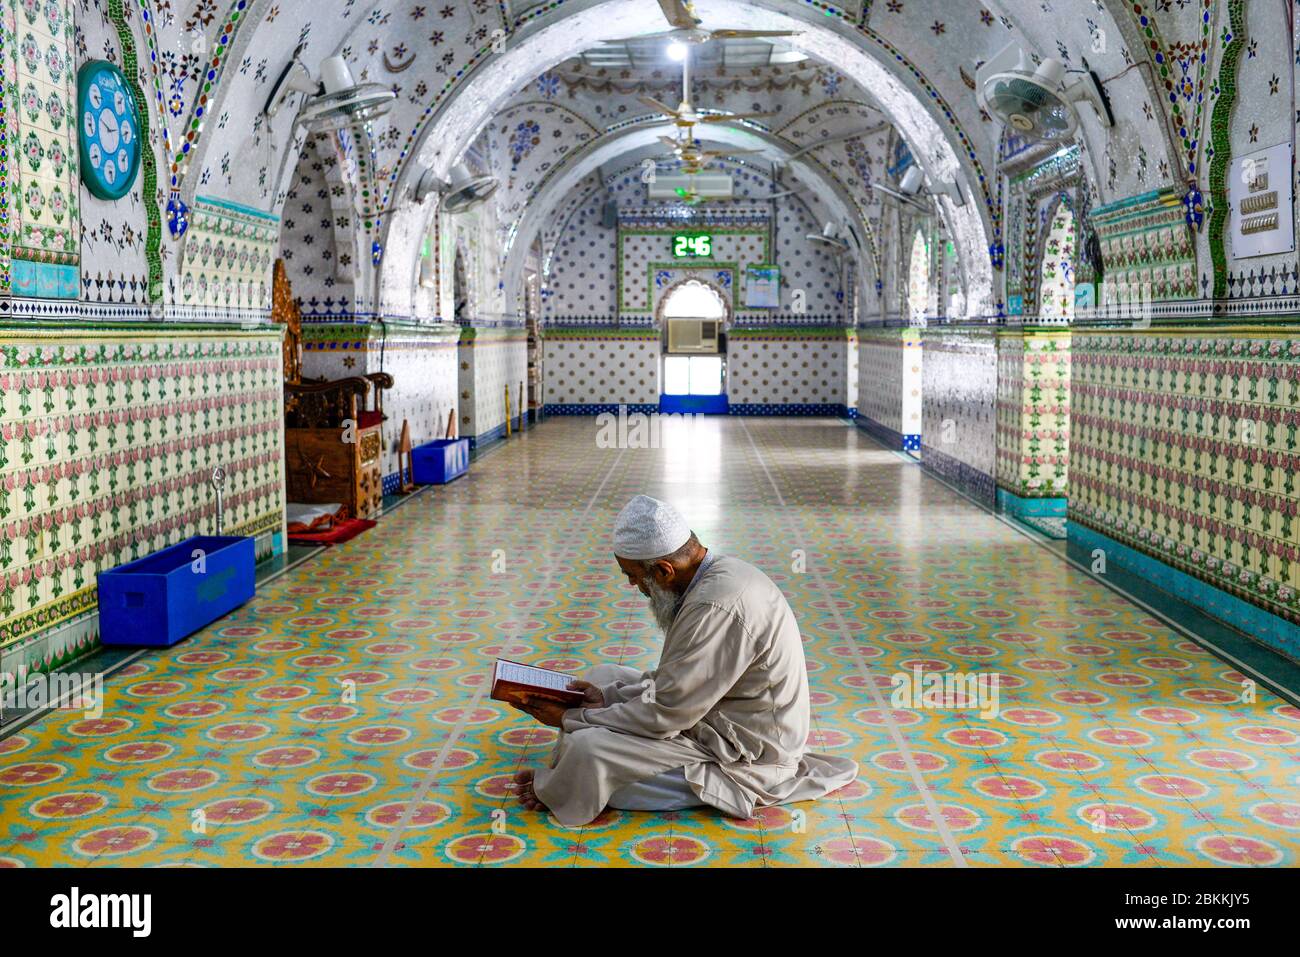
pixel 693 300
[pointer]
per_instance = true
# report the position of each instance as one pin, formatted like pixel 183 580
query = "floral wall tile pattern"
pixel 227 257
pixel 109 444
pixel 42 184
pixel 1033 412
pixel 1184 447
pixel 1146 244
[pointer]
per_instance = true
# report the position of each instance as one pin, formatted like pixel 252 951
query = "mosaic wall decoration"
pixel 602 366
pixel 583 264
pixel 889 382
pixel 1057 268
pixel 959 406
pixel 1258 116
pixel 316 229
pixel 1183 447
pixel 1033 412
pixel 420 358
pixel 1146 244
pixel 110 439
pixel 647 268
pixel 41 186
pixel 1049 205
pixel 227 257
pixel 489 361
pixel 790 367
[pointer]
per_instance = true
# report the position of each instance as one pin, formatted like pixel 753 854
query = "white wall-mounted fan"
pixel 1038 103
pixel 333 101
pixel 833 237
pixel 465 190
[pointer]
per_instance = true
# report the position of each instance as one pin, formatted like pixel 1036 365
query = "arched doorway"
pixel 692 316
pixel 1056 276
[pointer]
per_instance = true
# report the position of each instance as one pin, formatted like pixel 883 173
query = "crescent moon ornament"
pixel 392 67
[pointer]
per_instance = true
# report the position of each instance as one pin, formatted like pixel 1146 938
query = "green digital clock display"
pixel 692 245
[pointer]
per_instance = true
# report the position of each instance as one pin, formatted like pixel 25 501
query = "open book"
pixel 512 680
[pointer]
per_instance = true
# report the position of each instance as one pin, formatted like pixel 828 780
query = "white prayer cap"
pixel 648 528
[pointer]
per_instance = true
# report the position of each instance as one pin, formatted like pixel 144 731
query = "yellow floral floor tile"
pixel 341 718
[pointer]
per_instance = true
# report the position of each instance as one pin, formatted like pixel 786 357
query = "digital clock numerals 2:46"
pixel 692 246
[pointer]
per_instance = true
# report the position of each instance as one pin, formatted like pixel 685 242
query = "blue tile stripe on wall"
pixel 1267 628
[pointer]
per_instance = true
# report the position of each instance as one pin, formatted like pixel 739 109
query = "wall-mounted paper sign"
pixel 762 287
pixel 1085 295
pixel 1261 220
pixel 1015 305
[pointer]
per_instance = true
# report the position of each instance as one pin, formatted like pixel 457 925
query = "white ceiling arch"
pixel 630 142
pixel 488 89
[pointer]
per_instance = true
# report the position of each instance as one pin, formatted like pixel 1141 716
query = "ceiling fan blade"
pixel 663 34
pixel 728 152
pixel 678 14
pixel 670 142
pixel 728 117
pixel 658 107
pixel 744 34
pixel 784 192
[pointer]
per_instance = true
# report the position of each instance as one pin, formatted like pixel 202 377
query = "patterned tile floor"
pixel 341 717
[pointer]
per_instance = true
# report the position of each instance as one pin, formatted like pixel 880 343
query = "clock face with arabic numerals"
pixel 108 130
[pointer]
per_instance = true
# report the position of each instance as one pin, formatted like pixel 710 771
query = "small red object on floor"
pixel 344 530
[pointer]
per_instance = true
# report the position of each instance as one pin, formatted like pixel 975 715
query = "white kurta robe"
pixel 728 703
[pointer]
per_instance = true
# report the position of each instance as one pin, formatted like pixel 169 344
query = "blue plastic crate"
pixel 439 461
pixel 155 601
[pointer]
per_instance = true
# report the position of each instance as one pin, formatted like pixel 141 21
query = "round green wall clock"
pixel 108 130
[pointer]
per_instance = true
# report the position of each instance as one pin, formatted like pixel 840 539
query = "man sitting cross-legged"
pixel 722 721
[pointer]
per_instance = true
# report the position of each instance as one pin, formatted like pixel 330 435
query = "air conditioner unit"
pixel 698 185
pixel 694 336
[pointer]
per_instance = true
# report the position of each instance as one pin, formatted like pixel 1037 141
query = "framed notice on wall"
pixel 762 287
pixel 1261 221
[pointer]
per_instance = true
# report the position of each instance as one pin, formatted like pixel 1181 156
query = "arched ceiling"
pixel 454 64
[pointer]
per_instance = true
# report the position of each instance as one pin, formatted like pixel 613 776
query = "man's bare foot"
pixel 524 792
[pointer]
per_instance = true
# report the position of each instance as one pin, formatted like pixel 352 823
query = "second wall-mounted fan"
pixel 1039 103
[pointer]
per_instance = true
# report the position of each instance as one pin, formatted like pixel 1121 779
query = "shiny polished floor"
pixel 341 717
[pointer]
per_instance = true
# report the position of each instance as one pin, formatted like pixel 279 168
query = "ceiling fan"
pixel 686 27
pixel 692 157
pixel 686 116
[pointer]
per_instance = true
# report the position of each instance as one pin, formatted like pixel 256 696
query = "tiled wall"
pixel 791 370
pixel 889 384
pixel 1033 412
pixel 959 400
pixel 110 436
pixel 421 360
pixel 587 367
pixel 490 360
pixel 1183 448
pixel 41 232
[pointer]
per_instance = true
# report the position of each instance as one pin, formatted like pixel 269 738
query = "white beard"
pixel 663 604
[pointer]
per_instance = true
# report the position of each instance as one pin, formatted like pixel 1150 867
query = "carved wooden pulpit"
pixel 333 437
